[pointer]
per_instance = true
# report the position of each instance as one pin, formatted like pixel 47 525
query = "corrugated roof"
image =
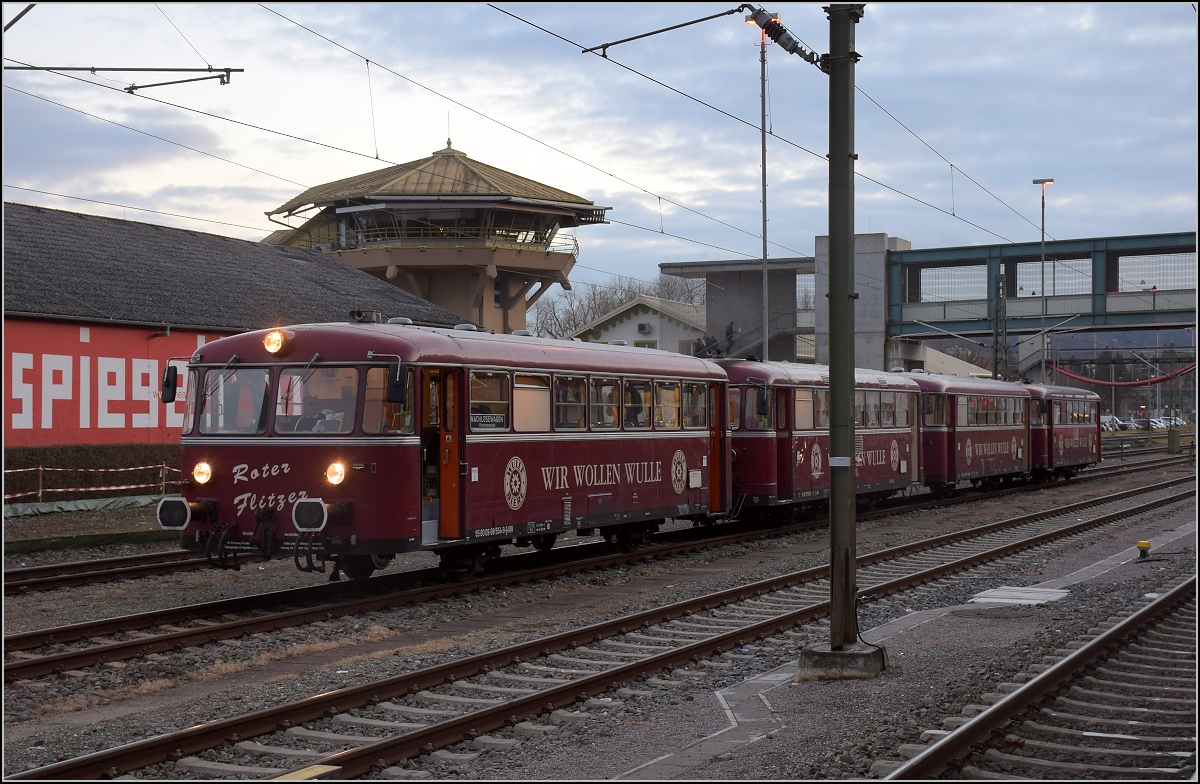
pixel 69 265
pixel 446 172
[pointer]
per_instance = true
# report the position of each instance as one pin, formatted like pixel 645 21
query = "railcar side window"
pixel 316 400
pixel 860 409
pixel 666 405
pixel 887 409
pixel 637 404
pixel 695 405
pixel 606 408
pixel 904 402
pixel 489 401
pixel 873 407
pixel 235 402
pixel 803 414
pixel 570 411
pixel 531 403
pixel 735 408
pixel 380 416
pixel 820 409
pixel 934 409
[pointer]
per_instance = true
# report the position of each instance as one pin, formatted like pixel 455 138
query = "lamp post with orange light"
pixel 1044 183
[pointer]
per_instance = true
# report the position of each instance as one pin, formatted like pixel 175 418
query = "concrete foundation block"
pixel 857 661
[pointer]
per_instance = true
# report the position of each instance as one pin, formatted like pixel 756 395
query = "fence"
pixel 161 484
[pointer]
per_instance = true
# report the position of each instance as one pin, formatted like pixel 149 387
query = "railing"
pixel 1060 305
pixel 161 484
pixel 422 237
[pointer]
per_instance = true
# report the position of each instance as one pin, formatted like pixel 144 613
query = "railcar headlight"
pixel 202 472
pixel 335 473
pixel 277 341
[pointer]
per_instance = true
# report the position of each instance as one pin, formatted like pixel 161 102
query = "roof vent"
pixel 366 316
pixel 896 370
pixel 465 327
pixel 400 320
pixel 523 333
pixel 617 343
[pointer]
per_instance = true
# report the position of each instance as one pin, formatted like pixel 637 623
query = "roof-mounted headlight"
pixel 278 341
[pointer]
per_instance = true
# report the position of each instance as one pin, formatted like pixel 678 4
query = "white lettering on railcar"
pixel 244 473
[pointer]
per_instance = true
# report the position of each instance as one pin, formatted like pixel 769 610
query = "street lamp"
pixel 1044 183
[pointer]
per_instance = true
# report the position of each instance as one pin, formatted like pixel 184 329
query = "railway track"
pixel 423 711
pixel 1122 706
pixel 76 573
pixel 59 649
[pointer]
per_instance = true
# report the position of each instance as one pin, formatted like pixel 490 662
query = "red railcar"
pixel 1064 430
pixel 779 422
pixel 972 429
pixel 353 442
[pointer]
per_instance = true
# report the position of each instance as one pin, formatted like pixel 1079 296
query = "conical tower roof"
pixel 444 175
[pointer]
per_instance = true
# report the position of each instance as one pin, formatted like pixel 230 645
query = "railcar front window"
pixel 934 408
pixel 316 400
pixel 235 402
pixel 755 420
pixel 189 405
pixel 381 416
pixel 820 409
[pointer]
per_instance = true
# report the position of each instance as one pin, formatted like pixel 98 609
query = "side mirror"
pixel 764 403
pixel 170 383
pixel 397 384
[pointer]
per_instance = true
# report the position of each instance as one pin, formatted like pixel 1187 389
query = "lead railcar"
pixel 350 443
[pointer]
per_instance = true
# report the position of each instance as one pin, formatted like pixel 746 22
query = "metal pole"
pixel 842 58
pixel 766 354
pixel 1043 283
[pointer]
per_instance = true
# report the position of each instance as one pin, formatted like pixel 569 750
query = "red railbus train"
pixel 1064 430
pixel 353 442
pixel 779 423
pixel 348 443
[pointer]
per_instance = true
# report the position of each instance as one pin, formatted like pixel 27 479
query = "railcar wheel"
pixel 380 562
pixel 544 543
pixel 357 567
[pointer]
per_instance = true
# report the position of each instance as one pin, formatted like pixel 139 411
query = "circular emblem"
pixel 816 461
pixel 678 471
pixel 895 455
pixel 970 451
pixel 516 482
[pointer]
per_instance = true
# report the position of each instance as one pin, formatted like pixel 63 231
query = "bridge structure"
pixel 1079 285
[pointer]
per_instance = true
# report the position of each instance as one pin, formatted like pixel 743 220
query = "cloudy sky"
pixel 959 108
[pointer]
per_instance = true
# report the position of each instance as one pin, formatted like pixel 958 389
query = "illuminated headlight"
pixel 202 472
pixel 276 341
pixel 335 473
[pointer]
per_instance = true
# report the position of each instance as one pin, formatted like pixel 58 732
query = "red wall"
pixel 67 383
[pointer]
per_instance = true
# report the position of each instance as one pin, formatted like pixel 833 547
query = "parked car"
pixel 1158 424
pixel 1109 422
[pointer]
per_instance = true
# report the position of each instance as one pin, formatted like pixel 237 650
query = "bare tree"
pixel 562 313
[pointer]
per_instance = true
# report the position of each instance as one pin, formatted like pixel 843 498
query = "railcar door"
pixel 442 439
pixel 718 447
pixel 449 470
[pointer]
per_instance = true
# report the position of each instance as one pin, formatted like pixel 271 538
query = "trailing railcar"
pixel 779 423
pixel 349 443
pixel 972 429
pixel 1064 430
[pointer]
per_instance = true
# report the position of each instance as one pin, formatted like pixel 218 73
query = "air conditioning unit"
pixel 644 328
